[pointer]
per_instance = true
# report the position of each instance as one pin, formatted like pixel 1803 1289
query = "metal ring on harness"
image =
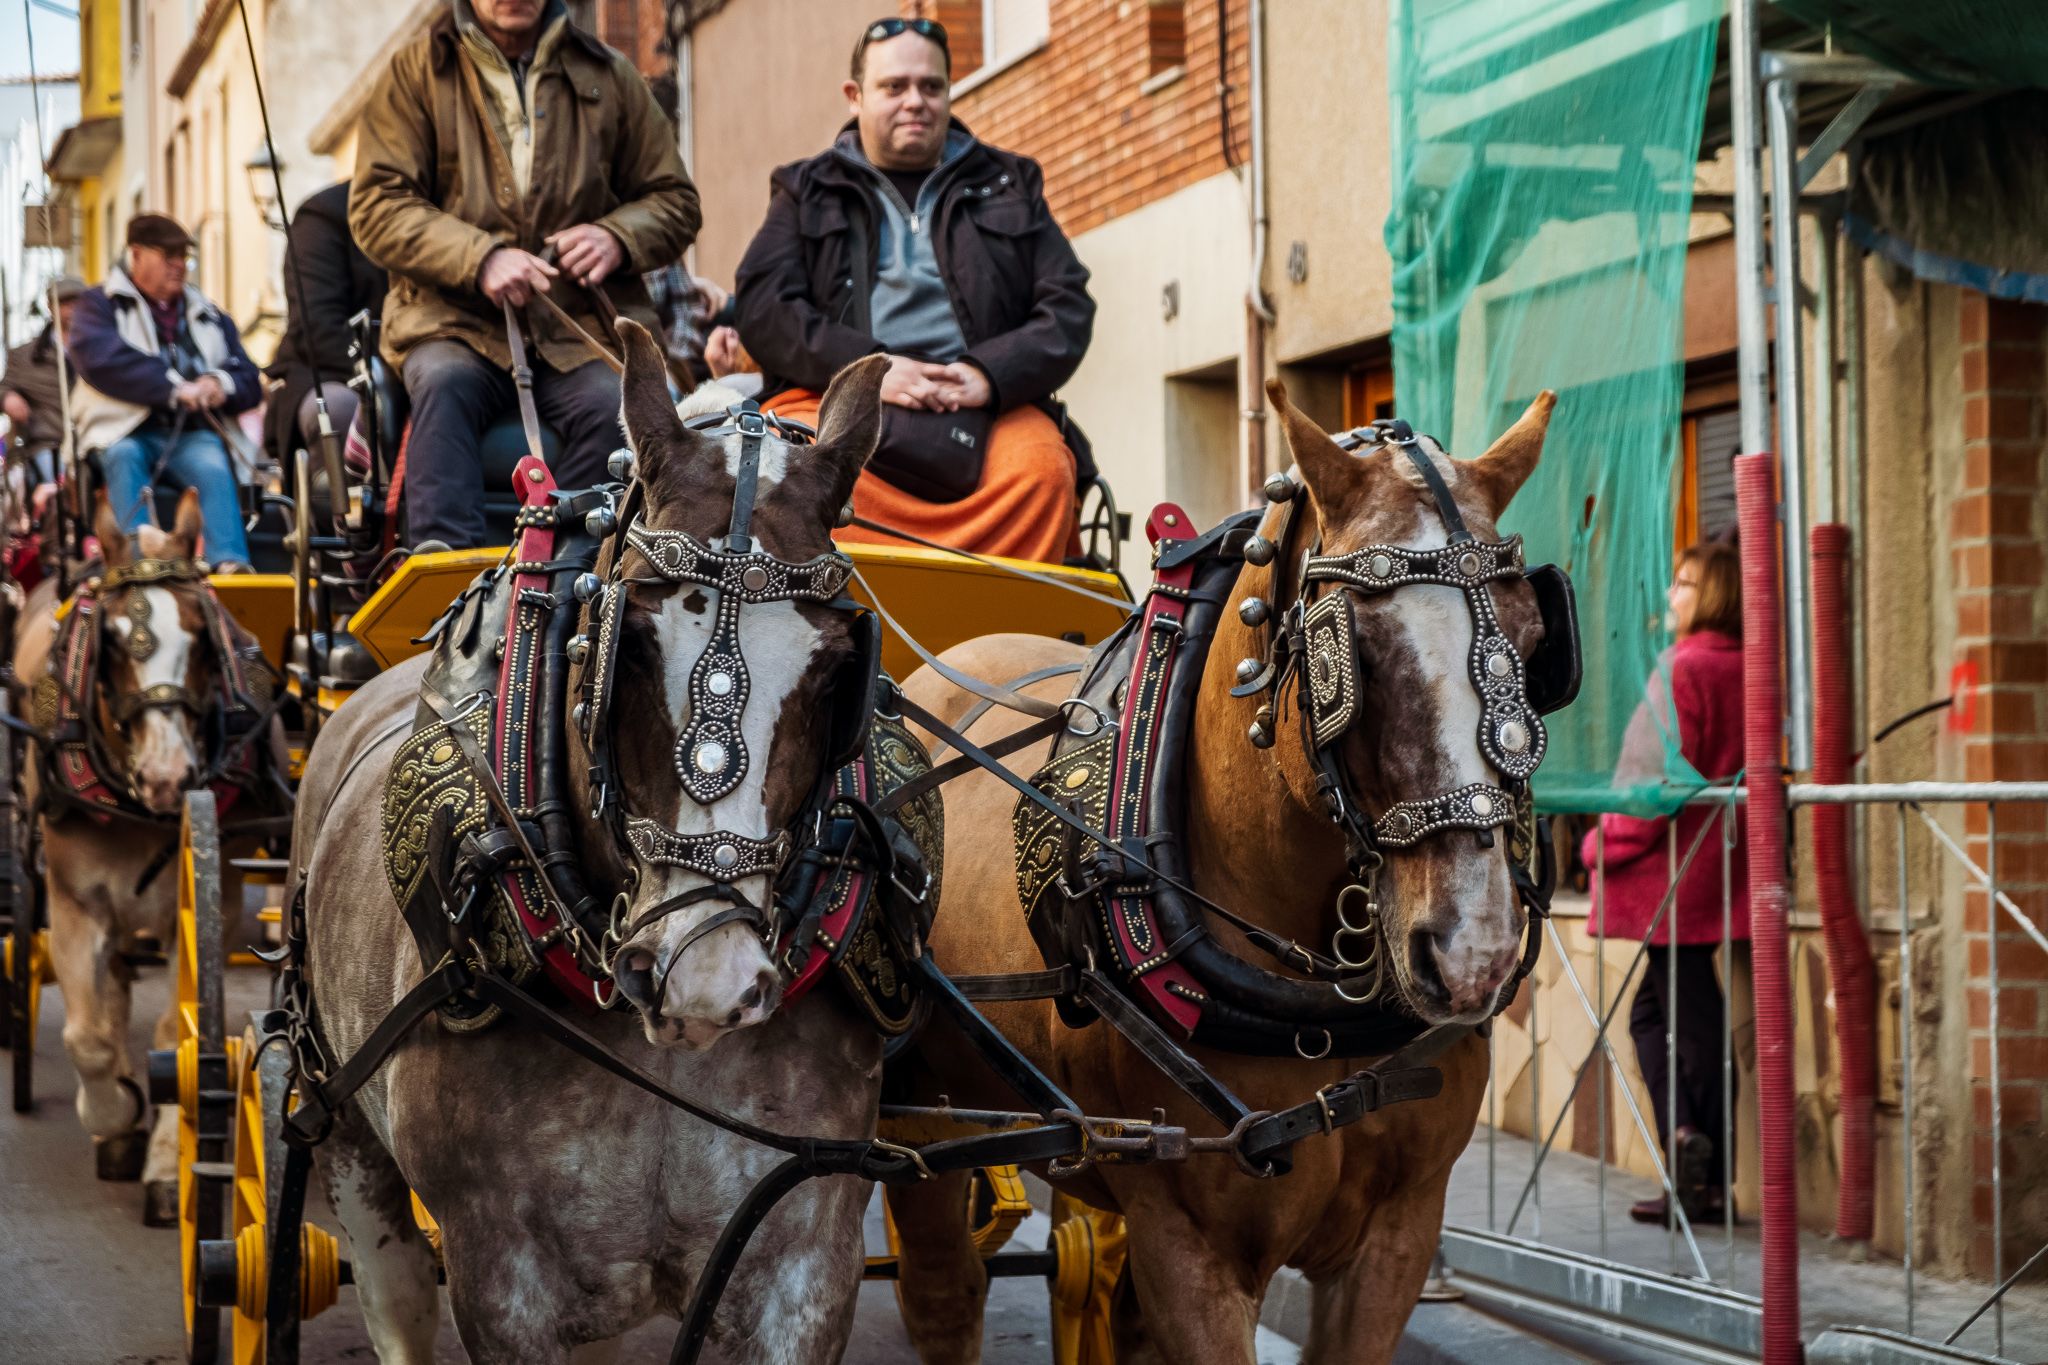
pixel 1102 721
pixel 1307 1056
pixel 1372 909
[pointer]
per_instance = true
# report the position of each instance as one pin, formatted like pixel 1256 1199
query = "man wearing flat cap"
pixel 160 368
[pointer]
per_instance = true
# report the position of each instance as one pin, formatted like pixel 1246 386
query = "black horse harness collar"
pixel 476 809
pixel 1097 831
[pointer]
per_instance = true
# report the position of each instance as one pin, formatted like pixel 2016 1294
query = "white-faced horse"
pixel 573 1206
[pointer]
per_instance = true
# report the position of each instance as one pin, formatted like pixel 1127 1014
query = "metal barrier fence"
pixel 1690 1304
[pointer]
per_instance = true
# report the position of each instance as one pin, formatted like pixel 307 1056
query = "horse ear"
pixel 188 527
pixel 850 422
pixel 645 409
pixel 1336 480
pixel 1508 462
pixel 114 548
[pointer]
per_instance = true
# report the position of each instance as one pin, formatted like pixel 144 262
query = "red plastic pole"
pixel 1756 501
pixel 1850 970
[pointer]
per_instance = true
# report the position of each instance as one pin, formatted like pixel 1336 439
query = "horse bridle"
pixel 710 755
pixel 142 642
pixel 1317 638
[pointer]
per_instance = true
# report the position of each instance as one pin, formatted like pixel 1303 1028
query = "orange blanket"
pixel 1024 509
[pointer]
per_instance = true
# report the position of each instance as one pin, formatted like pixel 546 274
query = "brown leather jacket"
pixel 434 189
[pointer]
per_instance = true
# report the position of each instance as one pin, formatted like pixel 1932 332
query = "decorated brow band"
pixel 1478 806
pixel 152 571
pixel 1467 564
pixel 720 856
pixel 758 577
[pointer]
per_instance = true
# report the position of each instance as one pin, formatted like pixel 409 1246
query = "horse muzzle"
pixel 695 982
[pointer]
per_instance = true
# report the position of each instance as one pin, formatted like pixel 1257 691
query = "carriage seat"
pixel 503 447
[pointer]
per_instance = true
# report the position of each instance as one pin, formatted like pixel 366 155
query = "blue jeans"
pixel 198 460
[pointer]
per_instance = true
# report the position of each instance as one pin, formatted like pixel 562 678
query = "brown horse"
pixel 571 1205
pixel 157 670
pixel 1359 1214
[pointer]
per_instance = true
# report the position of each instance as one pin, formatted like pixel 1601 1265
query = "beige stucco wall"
pixel 766 75
pixel 344 44
pixel 1195 240
pixel 1328 182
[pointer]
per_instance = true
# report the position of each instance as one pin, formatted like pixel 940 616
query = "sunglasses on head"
pixel 883 29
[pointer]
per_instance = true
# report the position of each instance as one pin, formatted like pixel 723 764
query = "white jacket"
pixel 103 419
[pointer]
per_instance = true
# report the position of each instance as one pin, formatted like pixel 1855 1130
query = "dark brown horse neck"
pixel 1257 839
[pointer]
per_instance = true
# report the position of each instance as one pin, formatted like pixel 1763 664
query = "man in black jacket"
pixel 911 237
pixel 327 281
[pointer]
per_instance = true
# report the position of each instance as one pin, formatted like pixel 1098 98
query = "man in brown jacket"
pixel 503 133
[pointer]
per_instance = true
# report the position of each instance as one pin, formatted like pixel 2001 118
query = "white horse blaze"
pixel 162 755
pixel 779 647
pixel 1474 889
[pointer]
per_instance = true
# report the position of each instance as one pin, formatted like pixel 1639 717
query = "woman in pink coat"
pixel 1698 687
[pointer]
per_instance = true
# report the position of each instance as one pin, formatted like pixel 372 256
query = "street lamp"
pixel 265 170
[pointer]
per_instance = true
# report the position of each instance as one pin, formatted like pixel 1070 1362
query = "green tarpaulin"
pixel 1543 169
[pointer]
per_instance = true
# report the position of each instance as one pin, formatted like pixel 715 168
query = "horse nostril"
pixel 634 973
pixel 752 997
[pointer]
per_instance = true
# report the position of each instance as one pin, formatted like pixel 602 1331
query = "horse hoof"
pixel 160 1204
pixel 120 1157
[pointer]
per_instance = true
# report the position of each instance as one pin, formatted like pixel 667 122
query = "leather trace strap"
pixel 522 382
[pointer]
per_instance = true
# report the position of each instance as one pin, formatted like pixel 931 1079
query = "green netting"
pixel 1940 42
pixel 1543 168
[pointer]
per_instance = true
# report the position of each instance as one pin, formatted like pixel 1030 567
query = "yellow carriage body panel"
pixel 940 598
pixel 262 604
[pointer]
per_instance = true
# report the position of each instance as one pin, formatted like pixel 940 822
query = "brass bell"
pixel 1260 736
pixel 1247 669
pixel 578 649
pixel 1258 552
pixel 1253 611
pixel 586 586
pixel 1281 487
pixel 619 464
pixel 601 522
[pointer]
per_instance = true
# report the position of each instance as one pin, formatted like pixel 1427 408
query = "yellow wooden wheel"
pixel 197 1072
pixel 1089 1245
pixel 259 1156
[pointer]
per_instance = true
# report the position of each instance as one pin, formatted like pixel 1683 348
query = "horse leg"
pixel 392 1261
pixel 939 1275
pixel 160 1172
pixel 1196 1308
pixel 1356 1315
pixel 110 1103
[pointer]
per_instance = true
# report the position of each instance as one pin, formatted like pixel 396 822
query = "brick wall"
pixel 636 29
pixel 1078 105
pixel 1998 525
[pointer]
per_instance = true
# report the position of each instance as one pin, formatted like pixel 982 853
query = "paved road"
pixel 82 1282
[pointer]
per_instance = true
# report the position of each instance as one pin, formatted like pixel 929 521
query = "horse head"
pixel 733 643
pixel 1420 626
pixel 158 670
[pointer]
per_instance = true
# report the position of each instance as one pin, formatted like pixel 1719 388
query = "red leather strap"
pixel 515 722
pixel 1174 993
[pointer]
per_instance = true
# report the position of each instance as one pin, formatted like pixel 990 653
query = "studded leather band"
pixel 1478 806
pixel 721 856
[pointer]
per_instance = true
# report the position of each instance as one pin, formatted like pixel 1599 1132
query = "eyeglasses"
pixel 883 29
